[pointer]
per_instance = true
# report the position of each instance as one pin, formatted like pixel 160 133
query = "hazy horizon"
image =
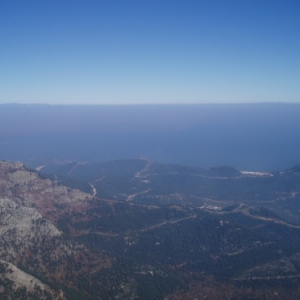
pixel 258 137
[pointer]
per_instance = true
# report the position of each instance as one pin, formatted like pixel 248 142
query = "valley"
pixel 137 229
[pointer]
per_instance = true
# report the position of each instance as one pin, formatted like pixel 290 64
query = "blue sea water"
pixel 258 137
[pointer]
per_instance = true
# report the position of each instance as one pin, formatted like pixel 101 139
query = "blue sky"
pixel 140 51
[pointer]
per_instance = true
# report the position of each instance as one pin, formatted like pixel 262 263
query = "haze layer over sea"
pixel 258 137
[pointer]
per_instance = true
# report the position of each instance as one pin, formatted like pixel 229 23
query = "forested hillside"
pixel 136 229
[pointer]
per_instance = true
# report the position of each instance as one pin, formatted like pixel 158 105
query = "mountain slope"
pixel 125 247
pixel 16 284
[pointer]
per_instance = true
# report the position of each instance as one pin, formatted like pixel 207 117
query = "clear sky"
pixel 149 51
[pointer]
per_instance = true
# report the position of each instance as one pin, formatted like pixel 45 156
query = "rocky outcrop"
pixel 30 208
pixel 27 188
pixel 15 282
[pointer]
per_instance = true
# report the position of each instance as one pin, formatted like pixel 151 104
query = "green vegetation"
pixel 205 224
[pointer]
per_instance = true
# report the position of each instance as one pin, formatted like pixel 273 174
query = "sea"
pixel 254 137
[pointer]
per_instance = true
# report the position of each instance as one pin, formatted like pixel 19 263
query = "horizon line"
pixel 148 104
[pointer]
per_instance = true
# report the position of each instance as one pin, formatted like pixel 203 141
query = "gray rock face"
pixel 21 280
pixel 21 229
pixel 18 223
pixel 27 188
pixel 30 206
